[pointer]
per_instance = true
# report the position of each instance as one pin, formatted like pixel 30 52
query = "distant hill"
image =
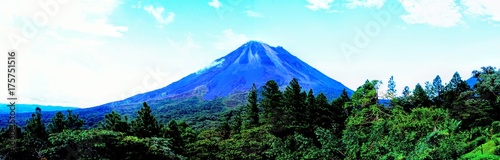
pixel 25 108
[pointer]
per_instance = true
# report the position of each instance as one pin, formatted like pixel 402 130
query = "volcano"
pixel 253 62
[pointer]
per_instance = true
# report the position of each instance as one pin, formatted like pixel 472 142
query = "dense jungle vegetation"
pixel 432 121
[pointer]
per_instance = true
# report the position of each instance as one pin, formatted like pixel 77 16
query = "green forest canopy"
pixel 434 121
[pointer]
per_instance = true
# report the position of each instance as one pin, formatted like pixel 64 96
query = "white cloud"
pixel 489 8
pixel 251 13
pixel 319 4
pixel 442 13
pixel 335 11
pixel 137 5
pixel 97 28
pixel 89 16
pixel 217 63
pixel 185 47
pixel 230 40
pixel 157 13
pixel 215 4
pixel 365 3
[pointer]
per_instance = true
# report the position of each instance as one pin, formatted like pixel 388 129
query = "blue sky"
pixel 89 52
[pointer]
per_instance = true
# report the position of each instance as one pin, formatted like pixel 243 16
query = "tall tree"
pixel 34 126
pixel 73 121
pixel 36 136
pixel 438 91
pixel 252 108
pixel 453 90
pixel 429 90
pixel 61 122
pixel 405 101
pixel 273 108
pixel 487 88
pixel 391 91
pixel 339 112
pixel 174 134
pixel 58 123
pixel 325 116
pixel 339 103
pixel 224 130
pixel 145 125
pixel 406 91
pixel 488 84
pixel 364 96
pixel 366 113
pixel 420 98
pixel 114 121
pixel 316 115
pixel 293 101
pixel 236 117
pixel 312 111
pixel 271 103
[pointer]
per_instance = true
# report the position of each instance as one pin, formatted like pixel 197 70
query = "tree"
pixel 34 127
pixel 174 134
pixel 145 125
pixel 272 106
pixel 406 91
pixel 224 130
pixel 252 107
pixel 429 90
pixel 114 122
pixel 472 111
pixel 73 121
pixel 420 98
pixel 236 117
pixel 391 91
pixel 341 100
pixel 271 103
pixel 488 88
pixel 188 134
pixel 405 101
pixel 364 96
pixel 58 123
pixel 364 124
pixel 453 90
pixel 316 114
pixel 325 116
pixel 438 91
pixel 36 135
pixel 293 102
pixel 106 144
pixel 312 111
pixel 338 111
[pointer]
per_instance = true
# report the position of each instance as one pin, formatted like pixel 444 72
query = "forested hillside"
pixel 432 121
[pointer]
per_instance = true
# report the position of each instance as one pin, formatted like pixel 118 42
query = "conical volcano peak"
pixel 255 46
pixel 255 43
pixel 254 62
pixel 253 53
